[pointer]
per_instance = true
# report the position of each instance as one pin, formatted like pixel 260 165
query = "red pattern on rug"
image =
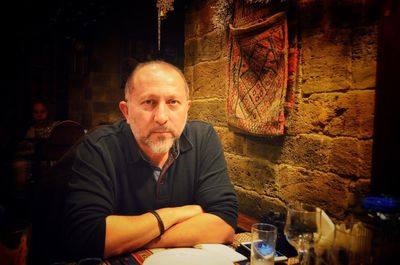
pixel 261 82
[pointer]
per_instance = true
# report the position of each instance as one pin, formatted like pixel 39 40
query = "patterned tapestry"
pixel 260 87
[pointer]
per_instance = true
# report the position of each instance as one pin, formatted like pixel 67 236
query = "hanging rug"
pixel 258 77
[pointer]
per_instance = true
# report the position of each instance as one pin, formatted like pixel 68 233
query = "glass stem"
pixel 303 257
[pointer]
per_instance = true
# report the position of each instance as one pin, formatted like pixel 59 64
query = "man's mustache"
pixel 163 128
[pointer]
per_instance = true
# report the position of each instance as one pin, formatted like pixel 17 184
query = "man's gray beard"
pixel 161 146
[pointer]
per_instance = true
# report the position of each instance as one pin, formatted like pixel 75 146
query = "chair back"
pixel 62 137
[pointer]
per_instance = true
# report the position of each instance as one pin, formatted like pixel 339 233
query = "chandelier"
pixel 163 6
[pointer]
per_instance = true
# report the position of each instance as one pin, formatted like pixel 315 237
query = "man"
pixel 152 180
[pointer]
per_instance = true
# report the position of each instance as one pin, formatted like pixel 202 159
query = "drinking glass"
pixel 263 241
pixel 303 229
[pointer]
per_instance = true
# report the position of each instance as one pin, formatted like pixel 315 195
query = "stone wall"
pixel 94 95
pixel 325 156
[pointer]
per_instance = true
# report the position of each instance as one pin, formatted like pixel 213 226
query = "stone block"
pixel 268 148
pixel 336 114
pixel 103 107
pixel 326 190
pixel 188 72
pixel 207 48
pixel 209 80
pixel 364 56
pixel 191 51
pixel 204 18
pixel 210 46
pixel 190 22
pixel 232 142
pixel 252 174
pixel 353 114
pixel 351 157
pixel 366 149
pixel 255 205
pixel 249 202
pixel 326 61
pixel 198 18
pixel 310 115
pixel 212 111
pixel 359 189
pixel 307 151
pixel 114 94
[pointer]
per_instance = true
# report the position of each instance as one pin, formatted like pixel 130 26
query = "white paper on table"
pixel 224 250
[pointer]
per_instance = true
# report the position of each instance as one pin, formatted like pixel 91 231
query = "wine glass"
pixel 303 228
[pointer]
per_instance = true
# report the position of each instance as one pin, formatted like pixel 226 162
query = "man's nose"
pixel 161 115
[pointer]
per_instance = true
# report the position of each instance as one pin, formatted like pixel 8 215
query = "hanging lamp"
pixel 163 6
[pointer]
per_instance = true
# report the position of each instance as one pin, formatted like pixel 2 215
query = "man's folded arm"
pixel 202 228
pixel 127 233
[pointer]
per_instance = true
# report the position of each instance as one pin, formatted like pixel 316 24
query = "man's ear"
pixel 189 102
pixel 123 107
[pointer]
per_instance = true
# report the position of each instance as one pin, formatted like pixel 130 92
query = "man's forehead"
pixel 156 69
pixel 165 76
pixel 156 74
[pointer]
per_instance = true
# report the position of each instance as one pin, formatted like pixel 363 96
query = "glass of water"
pixel 263 242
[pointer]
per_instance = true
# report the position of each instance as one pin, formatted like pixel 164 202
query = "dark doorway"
pixel 387 116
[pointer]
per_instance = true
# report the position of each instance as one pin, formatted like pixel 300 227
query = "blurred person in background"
pixel 42 125
pixel 27 149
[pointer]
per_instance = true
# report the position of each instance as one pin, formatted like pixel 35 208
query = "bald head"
pixel 152 69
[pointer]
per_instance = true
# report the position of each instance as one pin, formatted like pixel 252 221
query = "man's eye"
pixel 173 102
pixel 148 102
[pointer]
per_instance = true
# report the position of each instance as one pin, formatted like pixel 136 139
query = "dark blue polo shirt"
pixel 111 177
